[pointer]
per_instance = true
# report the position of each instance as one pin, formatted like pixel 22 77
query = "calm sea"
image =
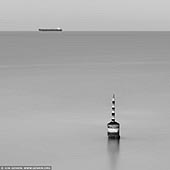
pixel 55 99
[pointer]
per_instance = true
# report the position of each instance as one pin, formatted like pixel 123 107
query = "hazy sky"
pixel 85 14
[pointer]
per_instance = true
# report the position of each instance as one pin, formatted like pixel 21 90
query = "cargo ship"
pixel 50 29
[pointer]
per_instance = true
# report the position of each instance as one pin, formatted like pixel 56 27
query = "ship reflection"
pixel 113 152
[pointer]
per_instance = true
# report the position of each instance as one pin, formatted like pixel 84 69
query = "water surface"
pixel 55 99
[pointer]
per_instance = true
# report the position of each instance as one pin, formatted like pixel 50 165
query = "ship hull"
pixel 49 29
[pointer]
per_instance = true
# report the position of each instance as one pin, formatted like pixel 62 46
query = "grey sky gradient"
pixel 85 14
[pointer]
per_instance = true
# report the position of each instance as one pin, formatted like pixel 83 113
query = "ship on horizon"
pixel 50 29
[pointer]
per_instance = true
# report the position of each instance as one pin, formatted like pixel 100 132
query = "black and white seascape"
pixel 55 99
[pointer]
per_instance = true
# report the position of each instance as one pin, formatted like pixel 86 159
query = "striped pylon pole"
pixel 113 107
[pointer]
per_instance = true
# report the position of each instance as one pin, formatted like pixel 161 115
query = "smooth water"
pixel 55 99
